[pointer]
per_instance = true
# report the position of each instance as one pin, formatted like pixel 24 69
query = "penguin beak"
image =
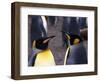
pixel 51 37
pixel 47 39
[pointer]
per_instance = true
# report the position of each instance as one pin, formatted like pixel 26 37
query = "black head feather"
pixel 42 43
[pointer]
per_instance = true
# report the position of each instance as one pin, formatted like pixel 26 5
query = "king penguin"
pixel 72 39
pixel 44 57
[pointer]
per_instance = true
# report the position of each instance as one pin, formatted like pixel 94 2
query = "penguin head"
pixel 42 43
pixel 73 38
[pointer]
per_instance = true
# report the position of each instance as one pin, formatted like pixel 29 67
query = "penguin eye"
pixel 76 41
pixel 45 41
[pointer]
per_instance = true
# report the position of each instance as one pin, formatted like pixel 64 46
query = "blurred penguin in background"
pixel 83 27
pixel 70 25
pixel 37 29
pixel 52 20
pixel 82 21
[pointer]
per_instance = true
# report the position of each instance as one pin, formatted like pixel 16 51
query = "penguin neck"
pixel 46 49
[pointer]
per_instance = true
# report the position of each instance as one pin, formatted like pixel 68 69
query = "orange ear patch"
pixel 76 41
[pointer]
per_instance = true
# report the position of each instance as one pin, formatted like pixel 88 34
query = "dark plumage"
pixel 72 37
pixel 42 43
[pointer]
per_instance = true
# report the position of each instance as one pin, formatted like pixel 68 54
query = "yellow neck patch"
pixel 45 58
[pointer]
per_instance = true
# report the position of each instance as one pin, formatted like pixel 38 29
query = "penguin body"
pixel 77 55
pixel 75 52
pixel 44 57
